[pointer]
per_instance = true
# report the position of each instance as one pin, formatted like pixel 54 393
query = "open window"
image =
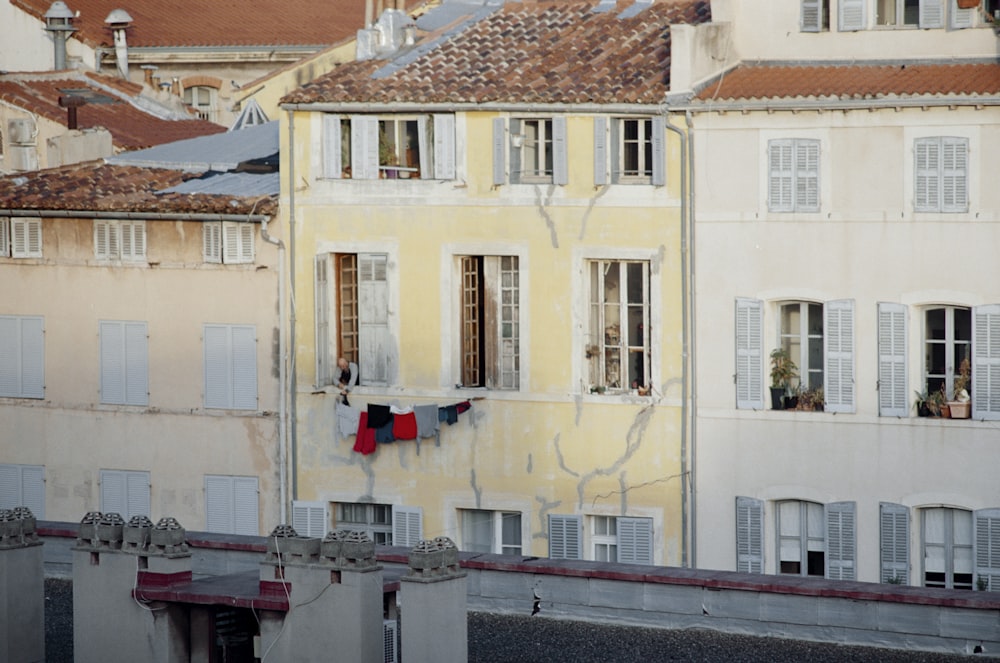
pixel 490 326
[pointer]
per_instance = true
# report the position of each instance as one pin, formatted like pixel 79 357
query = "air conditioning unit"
pixel 391 640
pixel 21 131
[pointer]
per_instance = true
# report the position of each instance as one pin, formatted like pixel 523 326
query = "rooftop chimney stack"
pixel 59 21
pixel 119 21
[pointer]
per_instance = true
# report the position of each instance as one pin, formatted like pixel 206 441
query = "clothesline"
pixel 382 424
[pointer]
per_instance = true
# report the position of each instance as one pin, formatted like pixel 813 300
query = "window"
pixel 621 539
pixel 120 240
pixel 230 366
pixel 909 13
pixel 565 537
pixel 23 485
pixel 538 153
pixel 202 99
pixel 946 537
pixel 942 173
pixel 814 16
pixel 813 539
pixel 490 321
pixel 385 524
pixel 619 320
pixel 22 356
pixel 227 242
pixel 604 539
pixel 793 180
pixel 491 531
pixel 124 363
pixel 21 238
pixel 369 147
pixel 231 505
pixel 125 493
pixel 947 342
pixel 894 535
pixel 637 151
pixel 359 330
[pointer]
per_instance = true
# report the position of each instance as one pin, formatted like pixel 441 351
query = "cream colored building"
pixel 845 212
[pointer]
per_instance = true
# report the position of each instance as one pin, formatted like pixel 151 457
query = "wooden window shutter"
pixel 635 540
pixel 472 323
pixel 565 537
pixel 499 151
pixel 211 241
pixel 838 342
pixel 231 242
pixel 218 504
pixel 444 147
pixel 986 547
pixel 894 543
pixel 806 176
pixel 245 510
pixel 892 392
pixel 986 362
pixel 841 540
pixel 749 354
pixel 364 147
pixel 617 149
pixel 851 15
pixel 309 518
pixel 407 525
pixel 26 238
pixel 931 14
pixel 926 171
pixel 954 174
pixel 333 168
pixel 600 151
pixel 560 152
pixel 811 19
pixel 779 190
pixel 659 153
pixel 373 317
pixel 749 535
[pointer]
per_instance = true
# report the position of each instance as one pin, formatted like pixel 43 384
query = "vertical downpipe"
pixel 293 379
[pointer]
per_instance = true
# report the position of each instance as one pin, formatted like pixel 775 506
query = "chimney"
pixel 147 74
pixel 71 103
pixel 59 21
pixel 119 21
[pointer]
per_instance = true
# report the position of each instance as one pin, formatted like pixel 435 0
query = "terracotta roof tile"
pixel 530 52
pixel 853 81
pixel 130 127
pixel 102 187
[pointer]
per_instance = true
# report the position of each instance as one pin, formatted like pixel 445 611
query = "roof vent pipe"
pixel 119 21
pixel 59 21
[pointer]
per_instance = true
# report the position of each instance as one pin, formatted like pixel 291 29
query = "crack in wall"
pixel 560 458
pixel 530 464
pixel 590 208
pixel 476 489
pixel 549 223
pixel 633 440
pixel 543 512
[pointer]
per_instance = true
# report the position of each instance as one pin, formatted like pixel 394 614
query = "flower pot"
pixel 960 410
pixel 776 398
pixel 946 411
pixel 791 402
pixel 968 4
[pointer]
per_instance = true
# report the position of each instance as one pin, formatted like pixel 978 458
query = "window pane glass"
pixel 511 529
pixel 477 531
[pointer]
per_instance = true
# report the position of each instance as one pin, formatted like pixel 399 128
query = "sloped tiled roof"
pixel 760 82
pixel 130 127
pixel 536 51
pixel 103 187
pixel 186 23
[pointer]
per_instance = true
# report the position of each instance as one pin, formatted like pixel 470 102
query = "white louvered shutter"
pixel 218 504
pixel 851 15
pixel 133 240
pixel 423 149
pixel 245 515
pixel 931 13
pixel 926 171
pixel 560 152
pixel 218 384
pixel 780 176
pixel 407 525
pixel 565 537
pixel 112 363
pixel 659 153
pixel 22 357
pixel 26 238
pixel 499 156
pixel 749 355
pixel 373 317
pixel 364 147
pixel 33 489
pixel 211 241
pixel 231 242
pixel 961 18
pixel 10 487
pixel 332 166
pixel 244 348
pixel 515 153
pixel 892 401
pixel 894 542
pixel 986 547
pixel 324 368
pixel 749 535
pixel 635 540
pixel 600 151
pixel 136 363
pixel 954 174
pixel 806 175
pixel 444 148
pixel 986 362
pixel 247 234
pixel 811 15
pixel 136 494
pixel 841 537
pixel 105 240
pixel 309 518
pixel 4 238
pixel 113 498
pixel 838 344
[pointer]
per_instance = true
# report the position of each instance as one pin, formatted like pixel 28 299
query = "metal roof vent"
pixel 119 20
pixel 59 21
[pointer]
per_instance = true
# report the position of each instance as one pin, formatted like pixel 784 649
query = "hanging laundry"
pixel 378 415
pixel 365 444
pixel 463 406
pixel 427 420
pixel 384 434
pixel 448 413
pixel 404 423
pixel 347 419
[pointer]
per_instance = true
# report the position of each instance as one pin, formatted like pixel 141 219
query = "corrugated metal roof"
pixel 220 152
pixel 231 184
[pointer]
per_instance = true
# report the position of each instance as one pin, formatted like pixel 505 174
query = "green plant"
pixel 937 401
pixel 895 580
pixel 783 369
pixel 920 403
pixel 982 584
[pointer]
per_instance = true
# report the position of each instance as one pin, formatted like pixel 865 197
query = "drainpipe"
pixel 293 381
pixel 686 479
pixel 282 377
pixel 692 227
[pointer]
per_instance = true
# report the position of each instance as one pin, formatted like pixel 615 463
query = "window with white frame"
pixel 618 347
pixel 491 531
pixel 22 356
pixel 622 539
pixel 909 13
pixel 814 15
pixel 793 175
pixel 385 524
pixel 369 147
pixel 536 148
pixel 946 538
pixel 23 485
pixel 125 492
pixel 947 343
pixel 352 315
pixel 801 334
pixel 941 171
pixel 801 540
pixel 231 505
pixel 230 364
pixel 227 242
pixel 124 363
pixel 120 240
pixel 20 238
pixel 203 99
pixel 635 151
pixel 490 327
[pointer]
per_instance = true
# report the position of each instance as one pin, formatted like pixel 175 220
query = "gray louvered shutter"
pixel 112 363
pixel 244 358
pixel 211 241
pixel 26 238
pixel 894 542
pixel 218 504
pixel 105 245
pixel 33 489
pixel 133 240
pixel 10 487
pixel 407 525
pixel 986 544
pixel 926 172
pixel 245 512
pixel 309 518
pixel 851 15
pixel 892 401
pixel 364 147
pixel 560 152
pixel 565 539
pixel 954 174
pixel 22 357
pixel 373 317
pixel 231 242
pixel 499 157
pixel 332 166
pixel 931 13
pixel 444 148
pixel 749 535
pixel 136 363
pixel 4 237
pixel 321 292
pixel 841 540
pixel 136 494
pixel 659 153
pixel 600 151
pixel 838 344
pixel 961 18
pixel 113 498
pixel 749 355
pixel 806 175
pixel 780 175
pixel 635 540
pixel 986 362
pixel 811 15
pixel 218 387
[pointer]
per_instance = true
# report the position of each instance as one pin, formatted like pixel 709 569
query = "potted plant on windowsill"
pixel 938 404
pixel 783 371
pixel 811 400
pixel 961 406
pixel 922 404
